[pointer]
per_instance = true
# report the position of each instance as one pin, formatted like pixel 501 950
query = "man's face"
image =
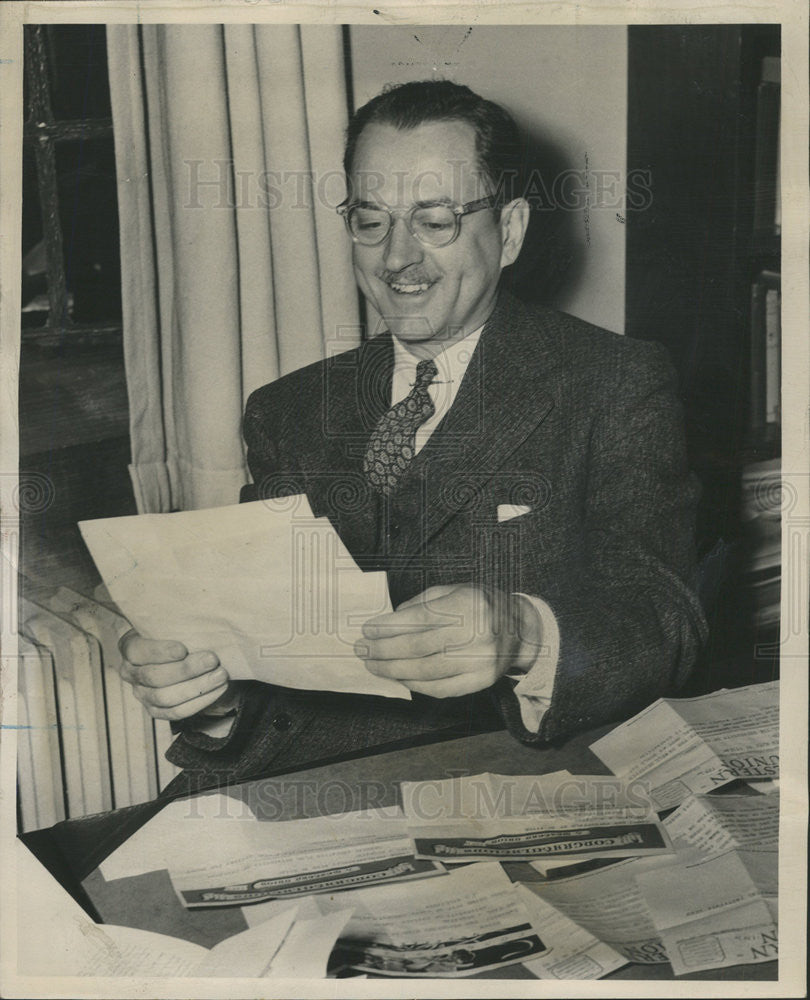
pixel 427 296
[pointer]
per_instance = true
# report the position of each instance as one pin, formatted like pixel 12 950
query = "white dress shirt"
pixel 533 688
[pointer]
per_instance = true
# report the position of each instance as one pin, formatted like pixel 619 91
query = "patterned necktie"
pixel 391 446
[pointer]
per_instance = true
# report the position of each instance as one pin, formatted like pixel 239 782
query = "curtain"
pixel 235 267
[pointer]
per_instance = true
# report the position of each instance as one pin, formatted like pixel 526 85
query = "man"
pixel 519 474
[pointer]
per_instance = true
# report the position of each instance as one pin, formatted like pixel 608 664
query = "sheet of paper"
pixel 127 951
pixel 572 952
pixel 251 953
pixel 305 908
pixel 270 860
pixel 709 914
pixel 305 953
pixel 691 746
pixel 182 832
pixel 505 817
pixel 741 727
pixel 748 824
pixel 270 588
pixel 608 903
pixel 470 920
pixel 60 939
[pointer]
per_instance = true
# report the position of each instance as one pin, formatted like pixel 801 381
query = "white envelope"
pixel 506 511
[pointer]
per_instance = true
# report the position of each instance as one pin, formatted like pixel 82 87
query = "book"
pixel 772 355
pixel 766 155
pixel 765 357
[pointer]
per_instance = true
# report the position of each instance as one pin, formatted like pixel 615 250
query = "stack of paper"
pixel 465 922
pixel 267 586
pixel 697 889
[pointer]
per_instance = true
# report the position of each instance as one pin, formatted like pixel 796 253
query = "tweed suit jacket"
pixel 580 426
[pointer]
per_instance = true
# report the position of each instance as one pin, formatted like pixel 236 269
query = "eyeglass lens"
pixel 434 225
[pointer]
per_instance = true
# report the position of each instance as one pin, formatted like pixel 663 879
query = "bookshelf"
pixel 703 278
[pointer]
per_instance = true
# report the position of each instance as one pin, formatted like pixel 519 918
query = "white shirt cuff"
pixel 534 686
pixel 216 726
pixel 218 719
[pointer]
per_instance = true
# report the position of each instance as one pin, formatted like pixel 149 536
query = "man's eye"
pixel 433 221
pixel 368 221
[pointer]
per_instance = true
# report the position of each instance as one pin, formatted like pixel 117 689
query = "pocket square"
pixel 506 511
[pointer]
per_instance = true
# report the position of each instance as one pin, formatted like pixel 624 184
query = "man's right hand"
pixel 170 682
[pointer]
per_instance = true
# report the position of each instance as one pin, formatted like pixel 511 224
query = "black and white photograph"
pixel 405 514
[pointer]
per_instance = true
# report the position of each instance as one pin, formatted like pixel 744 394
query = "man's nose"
pixel 402 247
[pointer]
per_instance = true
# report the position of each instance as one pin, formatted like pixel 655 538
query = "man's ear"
pixel 514 222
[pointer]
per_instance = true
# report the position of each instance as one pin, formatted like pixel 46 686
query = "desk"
pixel 72 849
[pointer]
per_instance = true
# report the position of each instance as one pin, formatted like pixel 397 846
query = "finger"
pixel 417 617
pixel 173 695
pixel 405 647
pixel 451 687
pixel 428 595
pixel 185 709
pixel 159 675
pixel 140 651
pixel 428 668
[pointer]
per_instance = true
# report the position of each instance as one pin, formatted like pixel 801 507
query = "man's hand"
pixel 450 641
pixel 170 682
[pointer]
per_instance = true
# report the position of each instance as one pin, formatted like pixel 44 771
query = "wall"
pixel 568 86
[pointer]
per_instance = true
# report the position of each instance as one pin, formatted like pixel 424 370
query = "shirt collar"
pixel 451 361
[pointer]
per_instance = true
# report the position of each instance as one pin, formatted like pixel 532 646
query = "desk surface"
pixel 148 901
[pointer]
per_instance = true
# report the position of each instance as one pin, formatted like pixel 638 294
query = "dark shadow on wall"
pixel 550 266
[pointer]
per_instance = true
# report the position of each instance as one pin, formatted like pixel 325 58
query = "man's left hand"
pixel 451 640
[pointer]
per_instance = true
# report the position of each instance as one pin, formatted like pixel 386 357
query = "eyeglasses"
pixel 433 224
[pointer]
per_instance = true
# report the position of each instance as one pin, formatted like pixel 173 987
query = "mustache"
pixel 413 277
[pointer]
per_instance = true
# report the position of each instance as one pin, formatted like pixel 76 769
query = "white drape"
pixel 235 267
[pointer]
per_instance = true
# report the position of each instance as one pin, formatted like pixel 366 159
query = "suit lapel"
pixel 507 391
pixel 356 392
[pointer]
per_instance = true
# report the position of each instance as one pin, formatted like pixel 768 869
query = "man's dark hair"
pixel 498 143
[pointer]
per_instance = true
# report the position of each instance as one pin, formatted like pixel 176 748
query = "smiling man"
pixel 519 475
pixel 432 268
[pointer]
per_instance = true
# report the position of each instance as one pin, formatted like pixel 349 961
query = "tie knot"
pixel 426 371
